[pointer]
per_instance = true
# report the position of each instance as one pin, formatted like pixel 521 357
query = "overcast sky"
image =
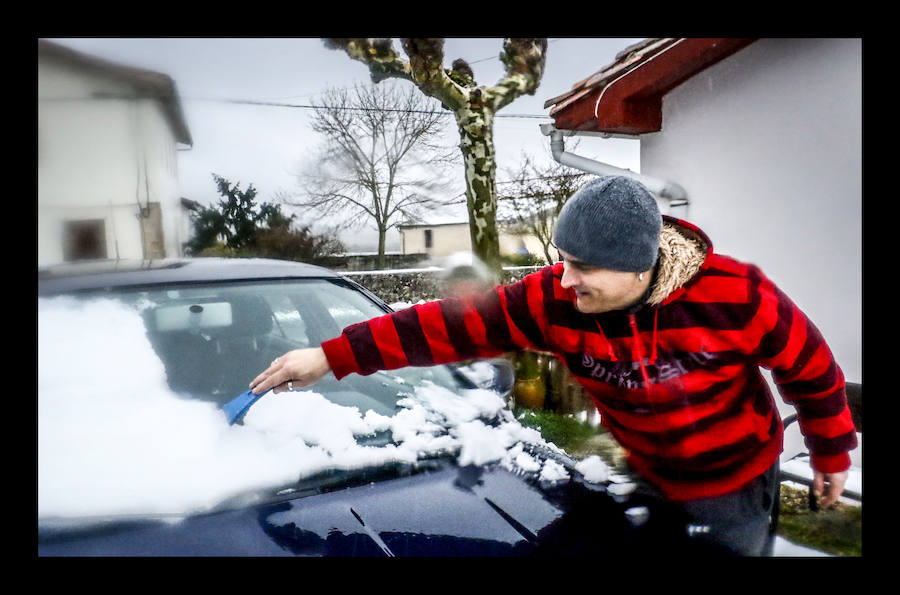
pixel 263 145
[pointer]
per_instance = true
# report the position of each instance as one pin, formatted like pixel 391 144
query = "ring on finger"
pixel 290 385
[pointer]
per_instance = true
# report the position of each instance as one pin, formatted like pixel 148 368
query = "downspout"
pixel 664 189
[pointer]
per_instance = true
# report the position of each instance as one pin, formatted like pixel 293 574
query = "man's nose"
pixel 569 278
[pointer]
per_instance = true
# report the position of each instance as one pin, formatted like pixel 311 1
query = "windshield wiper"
pixel 336 478
pixel 330 479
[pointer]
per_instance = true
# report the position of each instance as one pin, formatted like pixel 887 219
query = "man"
pixel 665 335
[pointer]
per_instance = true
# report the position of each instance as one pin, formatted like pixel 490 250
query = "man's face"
pixel 600 290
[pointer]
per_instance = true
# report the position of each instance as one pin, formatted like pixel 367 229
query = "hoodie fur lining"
pixel 681 253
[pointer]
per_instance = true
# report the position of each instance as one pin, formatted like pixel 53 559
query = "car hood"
pixel 449 511
pixel 452 510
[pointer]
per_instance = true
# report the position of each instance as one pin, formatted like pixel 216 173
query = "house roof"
pixel 625 97
pixel 146 83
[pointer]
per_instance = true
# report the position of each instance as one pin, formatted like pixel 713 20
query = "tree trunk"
pixel 479 158
pixel 379 261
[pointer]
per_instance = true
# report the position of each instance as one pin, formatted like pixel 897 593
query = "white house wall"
pixel 445 240
pixel 768 146
pixel 101 158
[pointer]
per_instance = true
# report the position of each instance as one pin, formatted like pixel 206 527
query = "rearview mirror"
pixel 192 317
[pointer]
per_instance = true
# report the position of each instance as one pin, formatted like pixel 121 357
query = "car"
pixel 136 458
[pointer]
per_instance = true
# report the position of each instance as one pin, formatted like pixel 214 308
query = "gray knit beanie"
pixel 612 222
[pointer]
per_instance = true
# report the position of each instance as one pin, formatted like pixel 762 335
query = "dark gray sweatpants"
pixel 742 522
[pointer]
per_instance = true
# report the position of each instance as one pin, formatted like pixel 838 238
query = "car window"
pixel 348 308
pixel 292 307
pixel 288 321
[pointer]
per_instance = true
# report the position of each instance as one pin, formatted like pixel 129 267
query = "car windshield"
pixel 214 339
pixel 131 385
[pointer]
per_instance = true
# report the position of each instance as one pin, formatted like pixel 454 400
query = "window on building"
pixel 84 239
pixel 428 238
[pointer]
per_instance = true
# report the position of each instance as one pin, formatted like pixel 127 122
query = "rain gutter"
pixel 664 189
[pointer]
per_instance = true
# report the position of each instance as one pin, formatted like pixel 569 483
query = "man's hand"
pixel 294 369
pixel 827 487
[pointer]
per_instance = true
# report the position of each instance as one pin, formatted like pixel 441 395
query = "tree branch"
pixel 424 67
pixel 377 54
pixel 426 59
pixel 524 59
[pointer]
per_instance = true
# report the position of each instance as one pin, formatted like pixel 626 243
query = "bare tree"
pixel 536 194
pixel 381 161
pixel 474 107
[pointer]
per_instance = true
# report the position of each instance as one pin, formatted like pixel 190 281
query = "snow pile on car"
pixel 114 439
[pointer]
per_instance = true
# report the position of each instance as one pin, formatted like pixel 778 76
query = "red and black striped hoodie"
pixel 676 378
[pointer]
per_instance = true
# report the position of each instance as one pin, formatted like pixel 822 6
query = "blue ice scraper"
pixel 237 407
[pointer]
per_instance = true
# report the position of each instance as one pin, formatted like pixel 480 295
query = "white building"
pixel 107 162
pixel 764 136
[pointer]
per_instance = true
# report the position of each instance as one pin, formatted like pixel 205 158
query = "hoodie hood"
pixel 682 251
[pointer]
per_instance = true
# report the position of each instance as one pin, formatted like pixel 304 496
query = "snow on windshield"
pixel 114 439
